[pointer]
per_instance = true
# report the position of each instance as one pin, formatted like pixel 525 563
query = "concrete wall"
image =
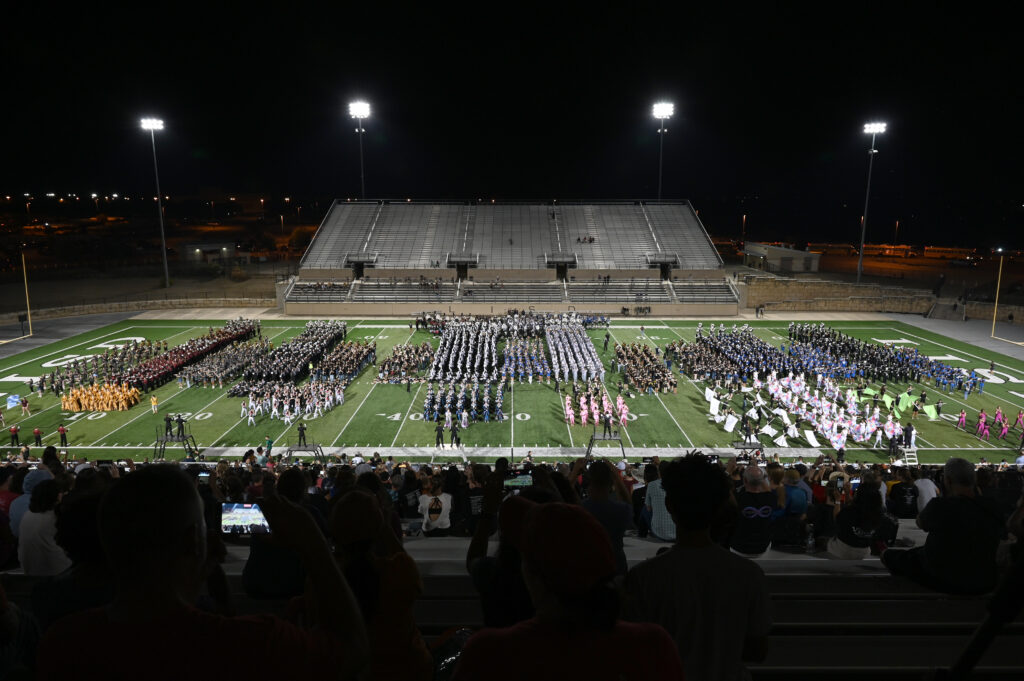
pixel 774 291
pixel 444 273
pixel 919 304
pixel 583 276
pixel 409 309
pixel 984 311
pixel 486 275
pixel 317 274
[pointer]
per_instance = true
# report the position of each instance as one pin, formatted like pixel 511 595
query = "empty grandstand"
pixel 549 254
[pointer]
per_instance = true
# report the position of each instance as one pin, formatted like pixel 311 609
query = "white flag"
pixel 745 390
pixel 709 394
pixel 759 400
pixel 781 441
pixel 752 413
pixel 769 431
pixel 730 423
pixel 714 405
pixel 809 436
pixel 785 417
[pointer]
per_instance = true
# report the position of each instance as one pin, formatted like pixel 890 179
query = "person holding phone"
pixel 154 533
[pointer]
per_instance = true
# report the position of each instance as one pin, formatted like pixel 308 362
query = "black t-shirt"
pixel 753 528
pixel 903 500
pixel 963 535
pixel 854 528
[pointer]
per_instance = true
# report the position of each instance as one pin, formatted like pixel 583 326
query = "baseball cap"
pixel 564 544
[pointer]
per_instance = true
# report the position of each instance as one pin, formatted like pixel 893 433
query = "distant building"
pixel 778 258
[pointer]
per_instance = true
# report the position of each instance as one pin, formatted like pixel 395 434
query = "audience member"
pixel 568 568
pixel 713 602
pixel 19 507
pixel 38 552
pixel 964 529
pixel 757 503
pixel 154 535
pixel 615 516
pixel 662 525
pixel 386 584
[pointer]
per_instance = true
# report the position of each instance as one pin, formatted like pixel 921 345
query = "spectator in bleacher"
pixel 38 551
pixel 498 579
pixel 19 507
pixel 568 568
pixel 7 495
pixel 861 523
pixel 641 516
pixel 89 582
pixel 155 537
pixel 902 497
pixel 713 603
pixel 614 514
pixel 662 525
pixel 435 506
pixel 926 488
pixel 386 584
pixel 757 503
pixel 964 530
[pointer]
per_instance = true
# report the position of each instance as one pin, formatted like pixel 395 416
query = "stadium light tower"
pixel 360 110
pixel 662 111
pixel 152 125
pixel 873 129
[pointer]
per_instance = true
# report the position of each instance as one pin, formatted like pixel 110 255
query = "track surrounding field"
pixel 390 416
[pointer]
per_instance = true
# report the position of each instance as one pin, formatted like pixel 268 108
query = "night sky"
pixel 513 102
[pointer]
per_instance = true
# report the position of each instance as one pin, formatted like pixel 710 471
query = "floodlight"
pixel 359 109
pixel 152 124
pixel 664 110
pixel 874 128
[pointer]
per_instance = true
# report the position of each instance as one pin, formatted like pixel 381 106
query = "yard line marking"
pixel 512 411
pixel 407 412
pixel 144 413
pixel 365 397
pixel 674 420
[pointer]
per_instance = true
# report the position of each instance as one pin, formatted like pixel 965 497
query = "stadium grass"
pixel 381 415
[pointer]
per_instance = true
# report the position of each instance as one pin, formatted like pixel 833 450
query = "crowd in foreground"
pixel 128 549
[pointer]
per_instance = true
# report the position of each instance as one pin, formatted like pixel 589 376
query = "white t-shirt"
pixel 436 511
pixel 926 491
pixel 38 551
pixel 709 600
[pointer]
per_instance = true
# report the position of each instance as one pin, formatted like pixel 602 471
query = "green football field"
pixel 390 416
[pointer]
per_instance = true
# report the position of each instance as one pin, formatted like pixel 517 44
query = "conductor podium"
pixel 605 438
pixel 163 439
pixel 314 450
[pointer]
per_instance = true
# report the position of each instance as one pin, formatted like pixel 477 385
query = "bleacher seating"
pixel 319 291
pixel 619 291
pixel 388 291
pixel 691 291
pixel 549 292
pixel 681 232
pixel 511 236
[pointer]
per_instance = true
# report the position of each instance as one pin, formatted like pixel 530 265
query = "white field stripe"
pixel 512 413
pixel 365 397
pixel 39 357
pixel 407 412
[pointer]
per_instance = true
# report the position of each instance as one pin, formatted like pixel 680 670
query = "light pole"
pixel 152 125
pixel 872 129
pixel 360 110
pixel 662 111
pixel 999 280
